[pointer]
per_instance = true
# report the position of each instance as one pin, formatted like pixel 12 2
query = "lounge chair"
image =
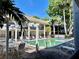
pixel 69 48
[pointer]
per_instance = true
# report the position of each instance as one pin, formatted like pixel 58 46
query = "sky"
pixel 33 7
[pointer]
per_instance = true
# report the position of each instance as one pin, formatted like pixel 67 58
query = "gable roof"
pixel 35 20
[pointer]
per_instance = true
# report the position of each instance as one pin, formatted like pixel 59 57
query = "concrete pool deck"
pixel 33 48
pixel 56 52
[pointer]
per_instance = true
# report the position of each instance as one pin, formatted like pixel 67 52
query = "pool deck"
pixel 56 52
pixel 33 48
pixel 61 51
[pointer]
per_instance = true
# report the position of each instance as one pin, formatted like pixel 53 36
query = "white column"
pixel 15 34
pixel 29 31
pixel 37 33
pixel 44 32
pixel 16 30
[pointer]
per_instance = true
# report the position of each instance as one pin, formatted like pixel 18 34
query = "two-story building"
pixel 33 29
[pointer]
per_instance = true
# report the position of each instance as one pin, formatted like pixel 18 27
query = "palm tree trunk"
pixel 70 28
pixel 7 38
pixel 54 30
pixel 65 29
pixel 70 31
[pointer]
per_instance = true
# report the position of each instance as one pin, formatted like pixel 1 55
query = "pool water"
pixel 45 42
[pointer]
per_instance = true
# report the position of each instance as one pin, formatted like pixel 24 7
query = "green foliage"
pixel 55 11
pixel 7 7
pixel 48 29
pixel 46 19
pixel 36 17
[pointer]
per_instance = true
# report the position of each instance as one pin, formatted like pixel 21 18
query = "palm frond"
pixel 8 7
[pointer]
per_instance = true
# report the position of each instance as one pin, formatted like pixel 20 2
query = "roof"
pixel 35 20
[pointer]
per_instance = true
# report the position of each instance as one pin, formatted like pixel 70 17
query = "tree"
pixel 7 9
pixel 62 9
pixel 46 19
pixel 54 13
pixel 36 17
pixel 67 15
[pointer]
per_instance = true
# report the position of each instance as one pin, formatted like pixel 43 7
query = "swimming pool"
pixel 46 42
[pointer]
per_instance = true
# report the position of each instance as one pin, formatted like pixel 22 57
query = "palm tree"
pixel 66 8
pixel 7 8
pixel 70 21
pixel 63 8
pixel 52 12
